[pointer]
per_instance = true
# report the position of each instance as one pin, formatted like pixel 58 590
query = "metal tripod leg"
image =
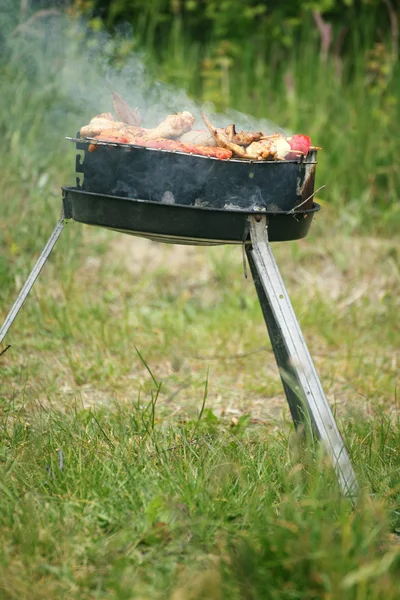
pixel 10 318
pixel 306 398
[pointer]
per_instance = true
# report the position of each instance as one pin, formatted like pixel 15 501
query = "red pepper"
pixel 300 143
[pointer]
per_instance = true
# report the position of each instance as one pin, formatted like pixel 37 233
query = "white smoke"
pixel 65 53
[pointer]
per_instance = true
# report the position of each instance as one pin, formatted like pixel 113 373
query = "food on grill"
pixel 110 135
pixel 300 143
pixel 250 145
pixel 282 147
pixel 230 136
pixel 187 148
pixel 263 150
pixel 176 134
pixel 123 112
pixel 223 138
pixel 172 127
pixel 100 123
pixel 243 138
pixel 127 137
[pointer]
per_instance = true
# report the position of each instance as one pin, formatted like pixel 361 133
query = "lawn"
pixel 146 449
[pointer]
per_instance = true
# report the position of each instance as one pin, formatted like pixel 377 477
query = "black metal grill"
pixel 183 198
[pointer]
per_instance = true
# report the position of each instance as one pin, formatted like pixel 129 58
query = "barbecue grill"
pixel 191 199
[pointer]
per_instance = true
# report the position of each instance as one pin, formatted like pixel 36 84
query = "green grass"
pixel 152 502
pixel 99 296
pixel 141 507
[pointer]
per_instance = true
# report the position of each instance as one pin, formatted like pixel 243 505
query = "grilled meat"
pixel 124 137
pixel 263 150
pixel 222 138
pixel 273 147
pixel 174 145
pixel 254 146
pixel 242 138
pixel 172 127
pixel 282 147
pixel 100 123
pixel 110 135
pixel 230 138
pixel 175 133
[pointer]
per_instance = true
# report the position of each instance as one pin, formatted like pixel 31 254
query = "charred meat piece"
pixel 222 139
pixel 242 138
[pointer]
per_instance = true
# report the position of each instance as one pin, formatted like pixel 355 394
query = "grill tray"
pixel 178 224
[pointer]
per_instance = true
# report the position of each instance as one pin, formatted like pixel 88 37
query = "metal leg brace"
pixel 304 393
pixel 10 318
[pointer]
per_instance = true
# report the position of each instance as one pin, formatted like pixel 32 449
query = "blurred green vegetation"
pixel 241 21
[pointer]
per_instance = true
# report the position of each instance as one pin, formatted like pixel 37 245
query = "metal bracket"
pixel 307 401
pixel 10 318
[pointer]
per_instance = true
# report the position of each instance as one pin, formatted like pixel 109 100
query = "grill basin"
pixel 190 180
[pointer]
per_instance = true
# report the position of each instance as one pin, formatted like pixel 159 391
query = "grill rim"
pixel 315 206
